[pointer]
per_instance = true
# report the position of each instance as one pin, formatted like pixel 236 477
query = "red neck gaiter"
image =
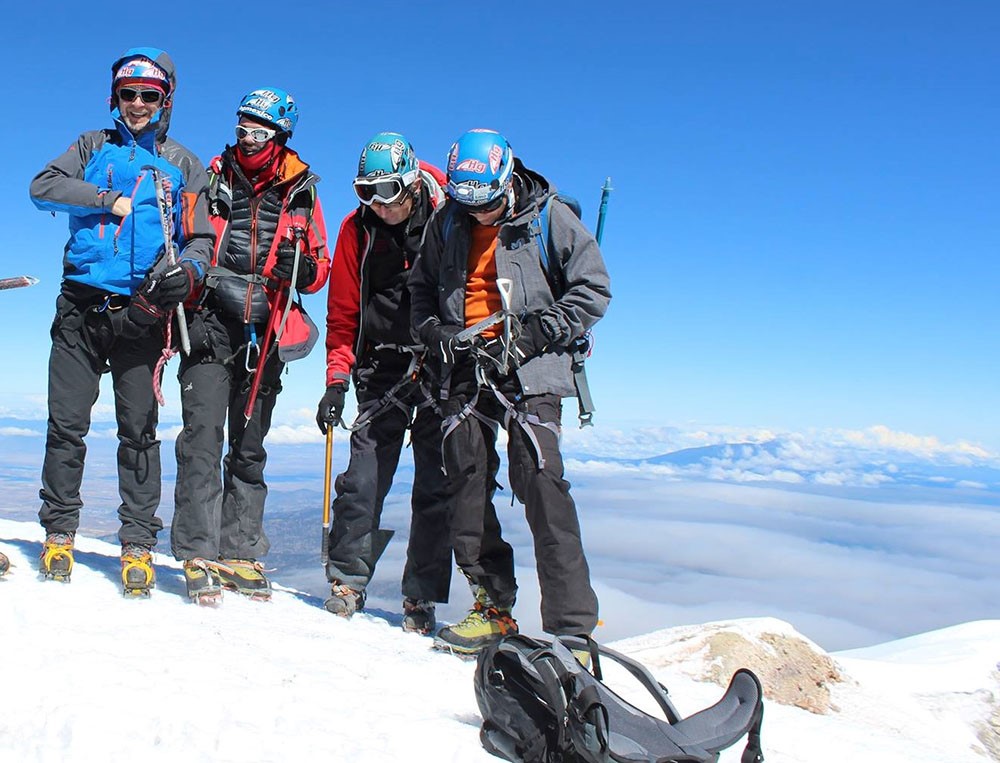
pixel 262 167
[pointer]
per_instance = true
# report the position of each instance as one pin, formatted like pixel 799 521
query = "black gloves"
pixel 443 343
pixel 331 407
pixel 282 269
pixel 163 289
pixel 533 338
pixel 142 312
pixel 177 283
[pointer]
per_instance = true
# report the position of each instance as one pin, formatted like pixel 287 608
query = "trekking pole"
pixel 327 477
pixel 17 282
pixel 582 344
pixel 606 190
pixel 165 203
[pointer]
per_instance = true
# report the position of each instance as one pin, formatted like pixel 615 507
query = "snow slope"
pixel 90 676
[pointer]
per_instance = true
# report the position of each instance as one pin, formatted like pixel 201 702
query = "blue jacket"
pixel 111 253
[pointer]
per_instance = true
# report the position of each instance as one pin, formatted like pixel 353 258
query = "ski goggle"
pixel 482 209
pixel 258 134
pixel 129 94
pixel 383 190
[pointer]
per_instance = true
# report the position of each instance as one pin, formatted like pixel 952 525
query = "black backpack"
pixel 540 705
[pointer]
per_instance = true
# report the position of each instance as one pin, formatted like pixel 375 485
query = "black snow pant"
pixel 84 346
pixel 219 512
pixel 356 541
pixel 569 604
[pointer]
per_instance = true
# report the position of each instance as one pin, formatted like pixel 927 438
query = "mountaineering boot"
pixel 485 624
pixel 245 576
pixel 4 565
pixel 202 581
pixel 138 576
pixel 56 561
pixel 418 616
pixel 344 600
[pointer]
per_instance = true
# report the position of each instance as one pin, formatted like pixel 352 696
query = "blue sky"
pixel 804 227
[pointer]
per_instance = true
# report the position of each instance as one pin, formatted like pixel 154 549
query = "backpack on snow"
pixel 540 705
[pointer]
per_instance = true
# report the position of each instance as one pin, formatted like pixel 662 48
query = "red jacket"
pixel 344 309
pixel 300 209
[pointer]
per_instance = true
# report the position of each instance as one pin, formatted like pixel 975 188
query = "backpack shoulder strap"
pixel 638 671
pixel 448 222
pixel 551 266
pixel 739 712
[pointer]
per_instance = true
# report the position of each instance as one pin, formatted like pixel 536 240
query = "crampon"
pixel 138 577
pixel 201 576
pixel 56 561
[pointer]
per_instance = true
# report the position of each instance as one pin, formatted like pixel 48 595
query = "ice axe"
pixel 274 328
pixel 327 479
pixel 504 286
pixel 17 282
pixel 263 351
pixel 165 203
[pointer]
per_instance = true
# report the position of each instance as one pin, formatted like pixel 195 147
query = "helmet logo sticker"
pixel 396 152
pixel 496 155
pixel 472 165
pixel 140 68
pixel 263 98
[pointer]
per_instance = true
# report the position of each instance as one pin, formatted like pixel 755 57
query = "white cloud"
pixel 287 434
pixel 18 432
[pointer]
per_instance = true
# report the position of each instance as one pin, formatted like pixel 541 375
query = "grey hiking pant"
pixel 356 541
pixel 569 604
pixel 219 502
pixel 84 347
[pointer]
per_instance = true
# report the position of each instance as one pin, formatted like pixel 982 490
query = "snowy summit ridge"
pixel 90 676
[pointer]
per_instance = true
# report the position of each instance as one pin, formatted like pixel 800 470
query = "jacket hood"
pixel 530 188
pixel 161 121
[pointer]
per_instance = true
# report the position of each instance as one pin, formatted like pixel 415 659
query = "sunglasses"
pixel 129 94
pixel 384 191
pixel 259 134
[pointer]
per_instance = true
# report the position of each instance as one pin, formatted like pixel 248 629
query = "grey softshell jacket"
pixel 437 283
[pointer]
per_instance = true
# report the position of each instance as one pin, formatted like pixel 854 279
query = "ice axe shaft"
pixel 504 286
pixel 327 479
pixel 264 351
pixel 166 224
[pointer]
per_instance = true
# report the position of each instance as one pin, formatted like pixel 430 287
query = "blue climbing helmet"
pixel 386 169
pixel 272 105
pixel 480 168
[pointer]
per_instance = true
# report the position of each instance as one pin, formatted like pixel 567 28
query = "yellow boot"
pixel 485 624
pixel 245 576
